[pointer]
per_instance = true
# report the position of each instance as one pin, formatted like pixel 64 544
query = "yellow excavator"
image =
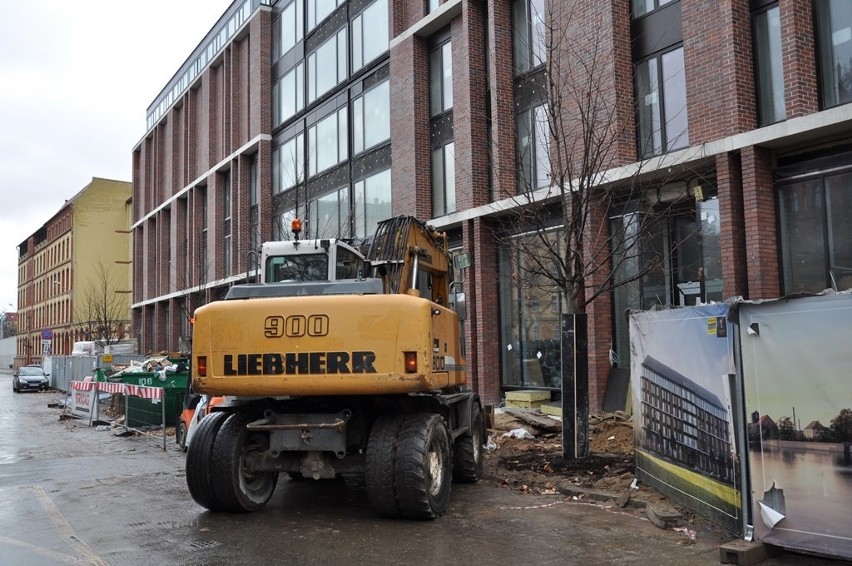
pixel 339 363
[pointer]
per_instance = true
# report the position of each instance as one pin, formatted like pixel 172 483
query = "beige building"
pixel 74 274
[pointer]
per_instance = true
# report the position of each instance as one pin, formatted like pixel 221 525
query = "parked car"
pixel 30 378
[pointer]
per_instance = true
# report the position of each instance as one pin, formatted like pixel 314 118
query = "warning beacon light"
pixel 296 227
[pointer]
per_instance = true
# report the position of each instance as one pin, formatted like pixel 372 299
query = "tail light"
pixel 201 366
pixel 410 362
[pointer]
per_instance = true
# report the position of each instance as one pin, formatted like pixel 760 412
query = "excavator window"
pixel 348 264
pixel 307 267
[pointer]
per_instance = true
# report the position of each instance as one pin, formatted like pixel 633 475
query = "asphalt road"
pixel 70 494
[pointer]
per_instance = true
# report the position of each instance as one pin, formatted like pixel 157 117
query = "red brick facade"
pixel 222 124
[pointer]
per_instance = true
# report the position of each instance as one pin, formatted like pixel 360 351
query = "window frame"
pixel 529 45
pixel 827 60
pixel 532 177
pixel 359 58
pixel 441 77
pixel 361 126
pixel 339 117
pixel 362 225
pixel 443 192
pixel 666 144
pixel 341 55
pixel 768 55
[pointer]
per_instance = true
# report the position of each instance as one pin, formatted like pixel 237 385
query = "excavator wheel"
pixel 198 458
pixel 381 450
pixel 467 450
pixel 238 489
pixel 423 467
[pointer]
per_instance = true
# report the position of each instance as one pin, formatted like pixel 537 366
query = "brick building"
pixel 74 274
pixel 735 114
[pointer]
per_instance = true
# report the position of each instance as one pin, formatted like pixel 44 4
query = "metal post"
pixel 163 403
pixel 126 410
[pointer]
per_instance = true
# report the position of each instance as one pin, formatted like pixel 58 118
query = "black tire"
pixel 14 388
pixel 237 489
pixel 379 473
pixel 467 449
pixel 180 434
pixel 198 459
pixel 423 467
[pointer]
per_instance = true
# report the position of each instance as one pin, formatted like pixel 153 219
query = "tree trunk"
pixel 575 386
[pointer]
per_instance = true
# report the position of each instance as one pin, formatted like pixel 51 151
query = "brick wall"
pixel 717 45
pixel 760 224
pixel 404 14
pixel 797 48
pixel 501 72
pixel 483 290
pixel 470 129
pixel 600 310
pixel 593 70
pixel 409 86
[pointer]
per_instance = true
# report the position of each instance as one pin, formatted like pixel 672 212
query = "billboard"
pixel 797 376
pixel 685 405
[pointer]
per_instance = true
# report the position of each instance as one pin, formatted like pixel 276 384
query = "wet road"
pixel 70 494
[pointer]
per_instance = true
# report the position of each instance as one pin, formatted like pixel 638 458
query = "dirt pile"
pixel 536 465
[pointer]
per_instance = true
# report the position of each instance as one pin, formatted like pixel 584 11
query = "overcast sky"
pixel 75 81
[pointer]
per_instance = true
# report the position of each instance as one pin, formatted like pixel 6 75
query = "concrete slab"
pixel 744 553
pixel 664 516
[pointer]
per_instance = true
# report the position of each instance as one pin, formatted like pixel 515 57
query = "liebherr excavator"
pixel 339 363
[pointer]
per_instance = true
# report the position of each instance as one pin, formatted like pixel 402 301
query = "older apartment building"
pixel 735 114
pixel 74 274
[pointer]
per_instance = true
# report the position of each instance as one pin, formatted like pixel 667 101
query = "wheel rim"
pixel 436 469
pixel 256 486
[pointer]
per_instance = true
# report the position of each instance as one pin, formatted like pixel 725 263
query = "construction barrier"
pixel 85 396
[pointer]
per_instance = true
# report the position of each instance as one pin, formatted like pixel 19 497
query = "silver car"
pixel 29 378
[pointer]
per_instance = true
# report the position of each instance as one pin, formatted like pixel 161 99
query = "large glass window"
pixel 816 234
pixel 288 164
pixel 443 180
pixel 328 216
pixel 327 142
pixel 668 254
pixel 530 313
pixel 661 93
pixel 226 224
pixel 834 39
pixel 319 9
pixel 441 78
pixel 327 65
pixel 770 67
pixel 290 27
pixel 641 7
pixel 288 95
pixel 254 214
pixel 529 34
pixel 372 202
pixel 533 148
pixel 369 34
pixel 371 117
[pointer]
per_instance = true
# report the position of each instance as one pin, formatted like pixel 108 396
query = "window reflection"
pixel 372 202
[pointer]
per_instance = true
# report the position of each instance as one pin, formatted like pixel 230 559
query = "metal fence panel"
pixel 65 369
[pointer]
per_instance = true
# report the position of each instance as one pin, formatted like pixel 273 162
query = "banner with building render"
pixel 685 405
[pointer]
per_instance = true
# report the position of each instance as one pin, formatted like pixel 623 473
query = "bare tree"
pixel 574 175
pixel 104 309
